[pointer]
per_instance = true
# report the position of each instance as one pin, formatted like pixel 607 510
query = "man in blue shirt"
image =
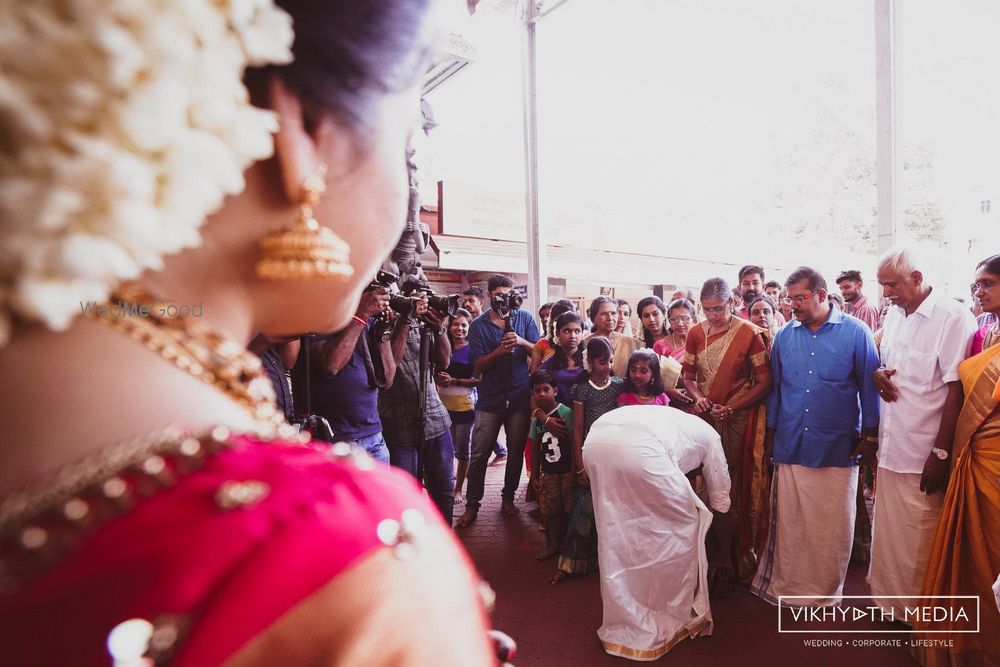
pixel 343 386
pixel 822 416
pixel 501 358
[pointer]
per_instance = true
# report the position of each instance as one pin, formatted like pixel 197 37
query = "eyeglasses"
pixel 714 309
pixel 986 286
pixel 684 319
pixel 798 298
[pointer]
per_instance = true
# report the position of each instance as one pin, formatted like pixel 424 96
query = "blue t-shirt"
pixel 346 399
pixel 503 384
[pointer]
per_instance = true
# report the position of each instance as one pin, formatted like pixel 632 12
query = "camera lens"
pixel 401 304
pixel 444 304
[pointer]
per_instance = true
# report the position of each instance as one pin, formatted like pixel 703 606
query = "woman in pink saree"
pixel 153 506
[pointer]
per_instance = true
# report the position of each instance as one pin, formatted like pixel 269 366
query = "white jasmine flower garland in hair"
pixel 123 124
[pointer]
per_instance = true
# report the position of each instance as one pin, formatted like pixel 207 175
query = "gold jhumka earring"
pixel 305 250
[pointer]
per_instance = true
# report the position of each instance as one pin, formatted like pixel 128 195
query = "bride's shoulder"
pixel 219 533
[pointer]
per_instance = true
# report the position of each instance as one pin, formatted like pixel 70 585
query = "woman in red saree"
pixel 151 505
pixel 965 554
pixel 727 373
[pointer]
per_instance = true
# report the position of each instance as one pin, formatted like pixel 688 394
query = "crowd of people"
pixel 190 186
pixel 815 402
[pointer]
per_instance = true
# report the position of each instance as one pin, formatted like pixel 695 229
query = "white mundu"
pixel 652 525
pixel 925 349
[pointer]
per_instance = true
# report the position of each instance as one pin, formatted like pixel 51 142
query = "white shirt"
pixel 925 350
pixel 685 438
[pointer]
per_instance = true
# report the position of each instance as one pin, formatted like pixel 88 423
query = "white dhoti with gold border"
pixel 811 535
pixel 902 533
pixel 652 525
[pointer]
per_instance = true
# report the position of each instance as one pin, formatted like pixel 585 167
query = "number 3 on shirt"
pixel 550 447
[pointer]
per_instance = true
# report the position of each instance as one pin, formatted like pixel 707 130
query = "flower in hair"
pixel 124 124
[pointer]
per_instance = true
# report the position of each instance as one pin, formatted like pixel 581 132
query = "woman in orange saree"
pixel 727 372
pixel 965 556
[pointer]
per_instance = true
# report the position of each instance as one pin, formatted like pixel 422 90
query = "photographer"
pixel 278 355
pixel 501 343
pixel 343 379
pixel 399 405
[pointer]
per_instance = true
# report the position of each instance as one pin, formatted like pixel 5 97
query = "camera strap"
pixel 373 363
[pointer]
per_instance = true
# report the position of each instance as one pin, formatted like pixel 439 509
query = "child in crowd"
pixel 553 476
pixel 566 365
pixel 542 353
pixel 591 399
pixel 643 384
pixel 457 387
pixel 545 346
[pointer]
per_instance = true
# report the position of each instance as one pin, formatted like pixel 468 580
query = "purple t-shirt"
pixel 565 379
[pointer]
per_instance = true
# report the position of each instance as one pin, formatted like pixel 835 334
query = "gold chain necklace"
pixel 210 356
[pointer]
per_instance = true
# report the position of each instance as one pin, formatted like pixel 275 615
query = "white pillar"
pixel 885 122
pixel 538 280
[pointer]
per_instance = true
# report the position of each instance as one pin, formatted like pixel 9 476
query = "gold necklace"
pixel 210 356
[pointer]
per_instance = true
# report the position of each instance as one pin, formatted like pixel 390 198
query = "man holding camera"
pixel 344 380
pixel 501 340
pixel 431 461
pixel 472 301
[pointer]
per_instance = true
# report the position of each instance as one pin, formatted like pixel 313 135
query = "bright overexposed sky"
pixel 722 126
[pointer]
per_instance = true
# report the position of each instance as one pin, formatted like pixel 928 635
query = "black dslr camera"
pixel 504 304
pixel 413 289
pixel 382 327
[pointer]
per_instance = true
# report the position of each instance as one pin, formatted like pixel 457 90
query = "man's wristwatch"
pixel 940 453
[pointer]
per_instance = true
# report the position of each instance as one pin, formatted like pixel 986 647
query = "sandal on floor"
pixel 466 519
pixel 559 576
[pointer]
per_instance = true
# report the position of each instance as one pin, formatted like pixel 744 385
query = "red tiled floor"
pixel 557 625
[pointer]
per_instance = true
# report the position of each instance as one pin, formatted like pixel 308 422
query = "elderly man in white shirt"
pixel 925 336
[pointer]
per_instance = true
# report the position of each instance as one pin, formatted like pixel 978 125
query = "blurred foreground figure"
pixel 654 571
pixel 153 504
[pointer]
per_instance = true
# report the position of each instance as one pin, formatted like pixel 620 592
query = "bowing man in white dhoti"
pixel 822 413
pixel 925 336
pixel 654 570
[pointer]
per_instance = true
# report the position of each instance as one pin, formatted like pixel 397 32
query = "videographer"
pixel 399 405
pixel 472 301
pixel 501 343
pixel 344 384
